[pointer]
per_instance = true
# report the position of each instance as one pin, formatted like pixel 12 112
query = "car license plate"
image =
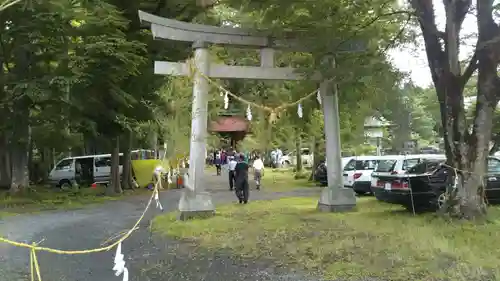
pixel 387 186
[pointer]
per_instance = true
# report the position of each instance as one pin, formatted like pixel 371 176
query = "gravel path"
pixel 147 257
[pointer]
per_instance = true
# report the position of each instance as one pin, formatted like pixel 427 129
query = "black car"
pixel 424 185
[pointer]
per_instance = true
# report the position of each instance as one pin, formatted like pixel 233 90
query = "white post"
pixel 195 201
pixel 334 197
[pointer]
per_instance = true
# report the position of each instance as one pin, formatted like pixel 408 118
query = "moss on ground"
pixel 378 240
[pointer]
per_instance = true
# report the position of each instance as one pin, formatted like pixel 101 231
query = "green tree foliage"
pixel 414 111
pixel 364 78
pixel 78 76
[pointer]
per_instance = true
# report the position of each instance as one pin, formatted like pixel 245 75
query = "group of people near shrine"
pixel 238 167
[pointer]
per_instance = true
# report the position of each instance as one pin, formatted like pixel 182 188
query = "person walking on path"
pixel 258 170
pixel 241 180
pixel 218 162
pixel 231 166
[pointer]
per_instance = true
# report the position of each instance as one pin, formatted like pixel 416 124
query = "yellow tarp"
pixel 143 170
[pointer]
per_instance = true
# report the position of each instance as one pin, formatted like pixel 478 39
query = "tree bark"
pixel 318 156
pixel 127 163
pixel 298 150
pixel 32 173
pixel 19 158
pixel 114 185
pixel 46 162
pixel 466 149
pixel 5 167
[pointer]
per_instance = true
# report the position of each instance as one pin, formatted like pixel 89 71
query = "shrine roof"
pixel 229 124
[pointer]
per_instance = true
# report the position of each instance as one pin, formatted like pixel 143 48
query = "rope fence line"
pixel 272 110
pixel 34 247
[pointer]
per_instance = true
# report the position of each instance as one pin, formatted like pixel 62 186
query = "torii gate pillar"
pixel 334 198
pixel 198 202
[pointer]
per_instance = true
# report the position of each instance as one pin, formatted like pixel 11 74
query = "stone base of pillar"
pixel 337 200
pixel 195 205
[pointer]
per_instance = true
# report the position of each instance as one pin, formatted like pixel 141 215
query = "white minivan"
pixel 358 172
pixel 86 169
pixel 399 164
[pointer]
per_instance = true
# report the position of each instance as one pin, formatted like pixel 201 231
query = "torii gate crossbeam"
pixel 198 202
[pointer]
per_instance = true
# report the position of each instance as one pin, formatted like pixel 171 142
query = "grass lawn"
pixel 276 180
pixel 47 198
pixel 378 240
pixel 5 214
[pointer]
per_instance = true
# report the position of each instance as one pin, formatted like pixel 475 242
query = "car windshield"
pixel 385 165
pixel 409 163
pixel 355 165
pixel 426 166
pixel 64 164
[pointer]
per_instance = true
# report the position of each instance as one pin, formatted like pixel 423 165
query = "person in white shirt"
pixel 279 155
pixel 258 169
pixel 231 165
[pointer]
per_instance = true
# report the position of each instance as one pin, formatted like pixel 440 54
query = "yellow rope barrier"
pixel 34 265
pixel 79 252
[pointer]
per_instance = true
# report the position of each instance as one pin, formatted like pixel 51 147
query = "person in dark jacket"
pixel 241 180
pixel 218 162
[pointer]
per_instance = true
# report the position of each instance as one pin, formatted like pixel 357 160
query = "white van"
pixel 290 159
pixel 399 164
pixel 357 172
pixel 88 169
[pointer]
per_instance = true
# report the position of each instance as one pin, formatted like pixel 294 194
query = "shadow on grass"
pixel 378 240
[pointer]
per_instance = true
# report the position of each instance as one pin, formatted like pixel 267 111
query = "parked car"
pixel 320 173
pixel 358 172
pixel 424 185
pixel 399 164
pixel 290 159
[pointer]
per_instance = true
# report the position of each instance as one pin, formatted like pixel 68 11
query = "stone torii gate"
pixel 198 202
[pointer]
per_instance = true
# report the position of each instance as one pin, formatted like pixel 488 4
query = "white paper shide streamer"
pixel 249 113
pixel 318 97
pixel 157 199
pixel 119 266
pixel 226 101
pixel 299 110
pixel 170 175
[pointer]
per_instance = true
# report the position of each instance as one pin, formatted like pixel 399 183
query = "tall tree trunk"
pixel 31 167
pixel 19 157
pixel 298 149
pixel 114 185
pixel 46 162
pixel 403 131
pixel 466 150
pixel 154 140
pixel 127 162
pixel 5 167
pixel 316 157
